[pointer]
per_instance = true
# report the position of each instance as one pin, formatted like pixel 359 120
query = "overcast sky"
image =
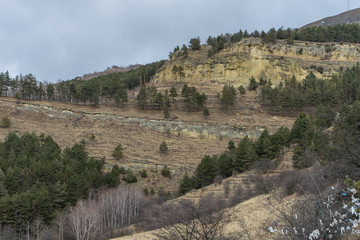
pixel 62 39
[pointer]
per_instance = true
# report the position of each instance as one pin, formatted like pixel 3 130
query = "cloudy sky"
pixel 62 39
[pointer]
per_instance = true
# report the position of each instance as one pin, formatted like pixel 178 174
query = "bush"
pixel 17 97
pixel 320 69
pixel 163 147
pixel 253 84
pixel 166 114
pixel 242 90
pixel 117 153
pixel 262 81
pixel 152 191
pixel 129 177
pixel 206 112
pixel 92 137
pixel 122 170
pixel 143 173
pixel 5 122
pixel 165 171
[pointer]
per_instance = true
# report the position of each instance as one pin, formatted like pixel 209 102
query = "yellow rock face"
pixel 250 57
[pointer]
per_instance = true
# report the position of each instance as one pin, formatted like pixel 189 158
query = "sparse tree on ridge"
pixel 195 44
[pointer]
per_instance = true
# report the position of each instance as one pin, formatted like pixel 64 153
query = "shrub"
pixel 129 177
pixel 143 173
pixel 122 170
pixel 92 137
pixel 163 147
pixel 166 114
pixel 165 171
pixel 206 112
pixel 320 69
pixel 253 84
pixel 117 153
pixel 17 97
pixel 5 122
pixel 242 90
pixel 262 81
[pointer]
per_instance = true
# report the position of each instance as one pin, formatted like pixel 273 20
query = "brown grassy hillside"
pixel 189 137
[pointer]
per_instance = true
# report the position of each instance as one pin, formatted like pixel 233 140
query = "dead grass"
pixel 141 145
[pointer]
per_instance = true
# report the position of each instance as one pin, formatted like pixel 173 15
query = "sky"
pixel 62 39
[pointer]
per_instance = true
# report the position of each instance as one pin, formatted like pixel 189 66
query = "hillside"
pixel 348 17
pixel 266 166
pixel 113 69
pixel 251 57
pixel 189 137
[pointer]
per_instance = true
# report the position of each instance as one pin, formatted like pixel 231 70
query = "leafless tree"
pixel 84 220
pixel 330 214
pixel 59 225
pixel 36 228
pixel 187 220
pixel 118 207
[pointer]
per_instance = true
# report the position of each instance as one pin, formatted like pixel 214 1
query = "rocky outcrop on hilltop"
pixel 251 57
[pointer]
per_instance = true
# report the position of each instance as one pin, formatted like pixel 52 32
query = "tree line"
pixel 112 86
pixel 338 33
pixel 150 98
pixel 237 158
pixel 341 88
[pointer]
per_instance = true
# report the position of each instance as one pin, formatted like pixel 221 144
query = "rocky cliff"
pixel 250 57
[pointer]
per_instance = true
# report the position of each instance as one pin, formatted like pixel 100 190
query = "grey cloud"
pixel 62 39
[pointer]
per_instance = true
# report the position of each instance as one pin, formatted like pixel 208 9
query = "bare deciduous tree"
pixel 84 220
pixel 330 214
pixel 118 207
pixel 187 220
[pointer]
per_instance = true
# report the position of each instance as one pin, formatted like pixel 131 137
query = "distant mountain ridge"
pixel 113 69
pixel 348 17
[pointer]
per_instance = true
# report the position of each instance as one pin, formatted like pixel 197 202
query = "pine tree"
pixel 242 90
pixel 186 184
pixel 118 152
pixel 206 112
pixel 228 96
pixel 244 155
pixel 184 50
pixel 195 44
pixel 205 171
pixel 173 94
pixel 225 164
pixel 163 148
pixel 3 190
pixel 253 84
pixel 142 97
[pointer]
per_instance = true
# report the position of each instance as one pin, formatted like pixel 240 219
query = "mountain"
pixel 352 16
